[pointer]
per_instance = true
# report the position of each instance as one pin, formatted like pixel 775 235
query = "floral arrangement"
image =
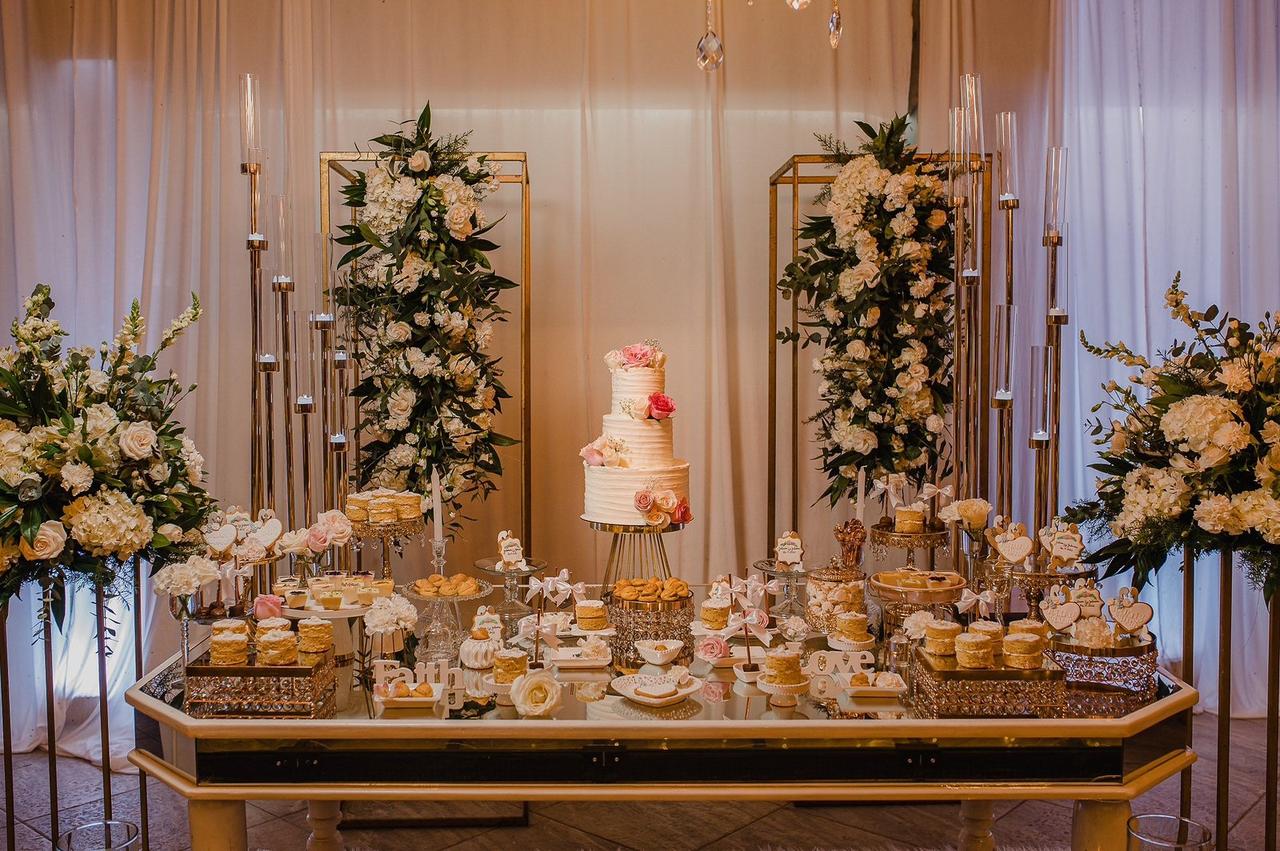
pixel 388 615
pixel 663 507
pixel 1191 457
pixel 875 285
pixel 645 355
pixel 422 297
pixel 94 467
pixel 331 529
pixel 184 578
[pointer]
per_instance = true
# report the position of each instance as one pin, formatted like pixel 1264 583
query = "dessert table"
pixel 727 742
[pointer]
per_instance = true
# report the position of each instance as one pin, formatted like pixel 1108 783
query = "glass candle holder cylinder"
pixel 1058 296
pixel 1007 155
pixel 971 102
pixel 1003 361
pixel 279 238
pixel 1055 193
pixel 250 119
pixel 957 165
pixel 1041 359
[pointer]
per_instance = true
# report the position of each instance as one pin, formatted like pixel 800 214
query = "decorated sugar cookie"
pixel 1059 610
pixel 1130 615
pixel 1062 543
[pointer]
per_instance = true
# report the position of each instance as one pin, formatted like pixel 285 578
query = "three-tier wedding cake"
pixel 633 477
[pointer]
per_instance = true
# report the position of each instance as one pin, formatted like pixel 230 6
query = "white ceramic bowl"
pixel 739 671
pixel 650 653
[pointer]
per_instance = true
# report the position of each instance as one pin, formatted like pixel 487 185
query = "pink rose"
pixel 712 647
pixel 637 354
pixel 337 524
pixel 644 501
pixel 318 538
pixel 683 513
pixel 267 606
pixel 592 454
pixel 661 406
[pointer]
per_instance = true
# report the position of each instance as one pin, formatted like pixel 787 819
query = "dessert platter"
pixel 590 653
pixel 657 691
pixel 918 587
pixel 455 588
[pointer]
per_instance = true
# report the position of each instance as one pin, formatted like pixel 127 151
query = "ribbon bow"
pixel 228 573
pixel 554 588
pixel 532 630
pixel 753 620
pixel 721 588
pixel 750 592
pixel 892 485
pixel 929 491
pixel 983 601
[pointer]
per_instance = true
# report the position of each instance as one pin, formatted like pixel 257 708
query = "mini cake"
pixel 991 629
pixel 940 637
pixel 1026 625
pixel 233 626
pixel 229 648
pixel 270 625
pixel 296 599
pixel 852 626
pixel 1023 650
pixel 974 650
pixel 782 667
pixel 478 650
pixel 509 664
pixel 908 520
pixel 408 506
pixel 715 612
pixel 357 509
pixel 315 635
pixel 278 647
pixel 591 615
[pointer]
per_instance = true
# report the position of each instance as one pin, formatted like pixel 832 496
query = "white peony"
pixel 1218 514
pixel 458 220
pixel 100 420
pixel 388 614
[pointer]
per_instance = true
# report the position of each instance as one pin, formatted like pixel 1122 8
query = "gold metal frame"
pixel 791 174
pixel 334 162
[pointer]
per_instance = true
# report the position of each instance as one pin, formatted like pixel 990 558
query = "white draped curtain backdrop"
pixel 120 138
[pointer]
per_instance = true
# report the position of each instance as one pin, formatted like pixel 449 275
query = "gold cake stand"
pixel 391 535
pixel 935 538
pixel 636 551
pixel 1035 584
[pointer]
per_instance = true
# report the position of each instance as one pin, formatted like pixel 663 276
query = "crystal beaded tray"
pixel 1129 664
pixel 940 689
pixel 663 620
pixel 305 690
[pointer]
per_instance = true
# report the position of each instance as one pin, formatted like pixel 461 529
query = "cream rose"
pixel 666 500
pixel 399 332
pixel 400 403
pixel 171 531
pixel 420 161
pixel 51 537
pixel 293 543
pixel 137 440
pixel 536 694
pixel 973 513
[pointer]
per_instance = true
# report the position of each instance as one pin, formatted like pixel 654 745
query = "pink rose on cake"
pixel 637 355
pixel 644 501
pixel 661 406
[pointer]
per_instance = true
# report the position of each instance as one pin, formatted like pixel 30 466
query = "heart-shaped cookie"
pixel 1131 618
pixel 268 533
pixel 1060 616
pixel 1015 550
pixel 221 540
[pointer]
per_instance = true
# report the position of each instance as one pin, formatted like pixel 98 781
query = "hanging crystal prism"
pixel 710 47
pixel 835 25
pixel 797 5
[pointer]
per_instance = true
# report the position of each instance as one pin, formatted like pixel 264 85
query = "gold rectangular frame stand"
pixel 792 174
pixel 335 162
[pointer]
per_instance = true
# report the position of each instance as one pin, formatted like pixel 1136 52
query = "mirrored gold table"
pixel 726 742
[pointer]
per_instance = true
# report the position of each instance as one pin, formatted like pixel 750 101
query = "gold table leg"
pixel 323 818
pixel 217 825
pixel 976 818
pixel 1100 825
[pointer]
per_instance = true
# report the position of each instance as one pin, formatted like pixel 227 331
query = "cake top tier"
pixel 646 355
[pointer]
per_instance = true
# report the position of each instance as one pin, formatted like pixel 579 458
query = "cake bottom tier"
pixel 610 492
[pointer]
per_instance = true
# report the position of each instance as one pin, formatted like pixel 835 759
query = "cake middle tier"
pixel 610 493
pixel 633 387
pixel 648 442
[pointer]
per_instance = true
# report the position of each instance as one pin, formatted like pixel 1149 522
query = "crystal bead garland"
pixel 835 25
pixel 710 47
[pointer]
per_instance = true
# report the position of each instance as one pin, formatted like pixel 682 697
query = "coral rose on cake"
pixel 661 406
pixel 536 694
pixel 683 513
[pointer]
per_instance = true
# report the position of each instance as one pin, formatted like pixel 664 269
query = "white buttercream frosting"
pixel 648 443
pixel 611 491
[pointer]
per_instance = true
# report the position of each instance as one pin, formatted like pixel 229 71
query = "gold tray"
pixel 1127 646
pixel 647 605
pixel 946 668
pixel 934 536
pixel 365 530
pixel 917 596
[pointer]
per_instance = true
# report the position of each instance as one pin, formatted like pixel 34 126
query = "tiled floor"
pixel 281 826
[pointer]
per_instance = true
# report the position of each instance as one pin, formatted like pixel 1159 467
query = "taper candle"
pixel 862 494
pixel 437 524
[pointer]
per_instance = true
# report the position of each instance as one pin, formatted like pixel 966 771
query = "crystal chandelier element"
pixel 710 47
pixel 835 25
